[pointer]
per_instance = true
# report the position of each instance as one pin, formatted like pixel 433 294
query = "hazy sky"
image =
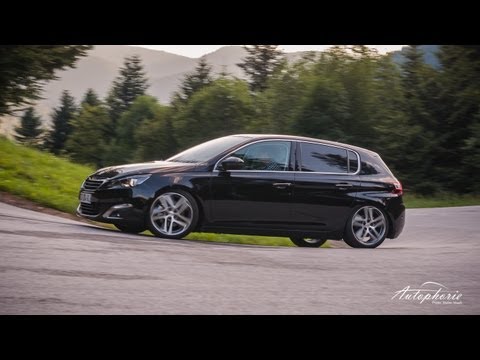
pixel 195 51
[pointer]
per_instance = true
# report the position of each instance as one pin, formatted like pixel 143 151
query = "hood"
pixel 142 168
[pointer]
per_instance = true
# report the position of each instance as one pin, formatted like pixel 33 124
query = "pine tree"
pixel 418 79
pixel 30 128
pixel 277 107
pixel 419 88
pixel 459 117
pixel 91 98
pixel 130 84
pixel 61 123
pixel 260 64
pixel 88 143
pixel 24 69
pixel 471 160
pixel 195 80
pixel 154 138
pixel 391 121
pixel 357 77
pixel 144 108
pixel 324 111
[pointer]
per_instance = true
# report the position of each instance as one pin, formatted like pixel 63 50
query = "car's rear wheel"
pixel 131 228
pixel 367 227
pixel 173 214
pixel 307 242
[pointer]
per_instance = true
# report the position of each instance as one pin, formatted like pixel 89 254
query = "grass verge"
pixel 243 239
pixel 40 177
pixel 413 201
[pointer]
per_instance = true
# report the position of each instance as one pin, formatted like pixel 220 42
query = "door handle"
pixel 282 185
pixel 344 185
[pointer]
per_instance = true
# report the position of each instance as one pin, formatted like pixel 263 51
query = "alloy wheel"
pixel 369 225
pixel 171 214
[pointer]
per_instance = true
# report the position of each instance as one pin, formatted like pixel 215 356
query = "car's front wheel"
pixel 173 214
pixel 366 228
pixel 307 242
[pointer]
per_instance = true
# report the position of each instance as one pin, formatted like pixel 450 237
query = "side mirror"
pixel 231 163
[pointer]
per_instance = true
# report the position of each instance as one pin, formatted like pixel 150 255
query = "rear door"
pixel 325 186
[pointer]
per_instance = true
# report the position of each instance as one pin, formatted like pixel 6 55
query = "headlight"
pixel 132 181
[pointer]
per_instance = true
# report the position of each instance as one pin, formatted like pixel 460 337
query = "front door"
pixel 260 193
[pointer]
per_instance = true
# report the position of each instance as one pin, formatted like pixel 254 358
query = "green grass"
pixel 243 239
pixel 54 182
pixel 413 201
pixel 41 177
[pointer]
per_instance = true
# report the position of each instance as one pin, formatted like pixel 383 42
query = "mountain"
pixel 102 64
pixel 226 59
pixel 429 55
pixel 164 71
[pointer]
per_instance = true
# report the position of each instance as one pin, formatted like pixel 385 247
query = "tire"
pixel 307 242
pixel 131 228
pixel 173 214
pixel 367 227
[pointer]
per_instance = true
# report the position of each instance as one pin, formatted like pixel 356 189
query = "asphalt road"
pixel 51 265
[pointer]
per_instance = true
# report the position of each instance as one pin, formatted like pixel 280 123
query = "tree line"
pixel 424 122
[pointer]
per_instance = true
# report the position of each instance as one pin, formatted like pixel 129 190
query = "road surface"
pixel 52 265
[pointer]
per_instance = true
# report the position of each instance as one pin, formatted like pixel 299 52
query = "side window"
pixel 372 164
pixel 323 158
pixel 267 155
pixel 352 162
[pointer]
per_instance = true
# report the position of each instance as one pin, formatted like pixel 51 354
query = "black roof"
pixel 304 138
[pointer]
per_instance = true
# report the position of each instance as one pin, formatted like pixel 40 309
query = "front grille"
pixel 89 209
pixel 92 184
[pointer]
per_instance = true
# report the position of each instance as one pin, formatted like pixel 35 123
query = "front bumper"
pixel 115 212
pixel 114 206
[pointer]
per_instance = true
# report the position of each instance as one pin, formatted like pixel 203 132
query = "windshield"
pixel 208 150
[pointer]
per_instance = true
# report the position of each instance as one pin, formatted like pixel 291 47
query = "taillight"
pixel 398 188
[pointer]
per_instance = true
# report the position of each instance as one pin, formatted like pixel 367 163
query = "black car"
pixel 307 189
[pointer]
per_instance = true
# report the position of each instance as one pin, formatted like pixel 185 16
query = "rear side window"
pixel 323 158
pixel 369 168
pixel 373 165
